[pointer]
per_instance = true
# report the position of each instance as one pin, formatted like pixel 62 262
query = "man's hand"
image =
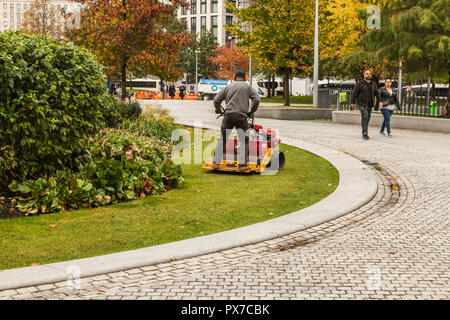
pixel 381 105
pixel 249 114
pixel 217 111
pixel 353 106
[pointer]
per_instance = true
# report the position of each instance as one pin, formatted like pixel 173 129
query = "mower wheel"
pixel 278 159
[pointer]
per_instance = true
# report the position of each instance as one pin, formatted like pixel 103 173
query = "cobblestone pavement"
pixel 397 246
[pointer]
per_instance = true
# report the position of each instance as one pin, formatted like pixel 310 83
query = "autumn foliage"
pixel 228 60
pixel 129 35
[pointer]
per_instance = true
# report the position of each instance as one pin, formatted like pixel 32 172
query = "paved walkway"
pixel 395 247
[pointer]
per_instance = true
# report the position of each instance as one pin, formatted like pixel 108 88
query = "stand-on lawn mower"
pixel 263 151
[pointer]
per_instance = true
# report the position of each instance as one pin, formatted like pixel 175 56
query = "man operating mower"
pixel 236 96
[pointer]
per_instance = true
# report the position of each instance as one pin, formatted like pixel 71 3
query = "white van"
pixel 208 88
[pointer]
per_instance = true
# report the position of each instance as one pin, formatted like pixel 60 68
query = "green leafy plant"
pixel 51 95
pixel 124 165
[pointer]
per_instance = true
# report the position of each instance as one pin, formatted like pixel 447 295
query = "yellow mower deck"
pixel 232 165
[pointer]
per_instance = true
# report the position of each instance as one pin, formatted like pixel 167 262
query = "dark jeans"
pixel 365 118
pixel 230 121
pixel 387 120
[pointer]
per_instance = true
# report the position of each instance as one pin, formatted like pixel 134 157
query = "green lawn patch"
pixel 288 107
pixel 293 99
pixel 205 203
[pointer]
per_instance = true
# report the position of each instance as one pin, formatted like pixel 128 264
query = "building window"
pixel 203 6
pixel 194 25
pixel 183 11
pixel 5 15
pixel 5 24
pixel 214 25
pixel 18 6
pixel 203 23
pixel 12 24
pixel 229 20
pixel 228 10
pixel 214 4
pixel 11 15
pixel 193 6
pixel 11 5
pixel 25 6
pixel 5 5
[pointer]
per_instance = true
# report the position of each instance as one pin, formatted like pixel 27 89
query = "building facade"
pixel 210 15
pixel 11 11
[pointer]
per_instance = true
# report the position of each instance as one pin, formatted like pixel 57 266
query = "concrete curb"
pixel 355 178
pixel 397 122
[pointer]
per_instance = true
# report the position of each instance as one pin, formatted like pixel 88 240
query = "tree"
pixel 130 35
pixel 340 27
pixel 228 60
pixel 281 38
pixel 44 18
pixel 418 34
pixel 206 44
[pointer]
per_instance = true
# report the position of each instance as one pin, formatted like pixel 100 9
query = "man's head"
pixel 367 75
pixel 409 88
pixel 239 75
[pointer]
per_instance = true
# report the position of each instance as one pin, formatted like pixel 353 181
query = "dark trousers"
pixel 365 118
pixel 387 120
pixel 230 121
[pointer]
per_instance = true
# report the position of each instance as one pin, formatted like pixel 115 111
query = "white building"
pixel 11 11
pixel 210 15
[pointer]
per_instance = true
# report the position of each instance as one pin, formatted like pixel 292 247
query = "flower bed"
pixel 125 163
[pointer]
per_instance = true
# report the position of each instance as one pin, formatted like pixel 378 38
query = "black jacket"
pixel 386 98
pixel 360 95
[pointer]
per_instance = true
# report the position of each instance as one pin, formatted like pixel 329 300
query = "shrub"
pixel 131 110
pixel 125 166
pixel 151 125
pixel 51 95
pixel 114 112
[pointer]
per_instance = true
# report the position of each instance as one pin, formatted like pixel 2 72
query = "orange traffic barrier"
pixel 144 95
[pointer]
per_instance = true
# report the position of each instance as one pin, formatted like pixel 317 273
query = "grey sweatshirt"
pixel 236 96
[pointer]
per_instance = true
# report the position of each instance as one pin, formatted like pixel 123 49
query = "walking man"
pixel 363 96
pixel 236 96
pixel 410 99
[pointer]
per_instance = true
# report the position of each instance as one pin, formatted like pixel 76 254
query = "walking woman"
pixel 172 91
pixel 389 99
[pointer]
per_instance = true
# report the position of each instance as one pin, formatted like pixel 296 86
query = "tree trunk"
pixel 269 87
pixel 123 84
pixel 273 85
pixel 286 88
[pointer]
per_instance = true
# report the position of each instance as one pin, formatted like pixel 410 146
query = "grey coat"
pixel 237 96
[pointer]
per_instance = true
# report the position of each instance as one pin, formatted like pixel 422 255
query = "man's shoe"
pixel 390 135
pixel 382 133
pixel 366 137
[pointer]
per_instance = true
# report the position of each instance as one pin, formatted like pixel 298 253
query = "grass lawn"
pixel 288 107
pixel 293 99
pixel 205 203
